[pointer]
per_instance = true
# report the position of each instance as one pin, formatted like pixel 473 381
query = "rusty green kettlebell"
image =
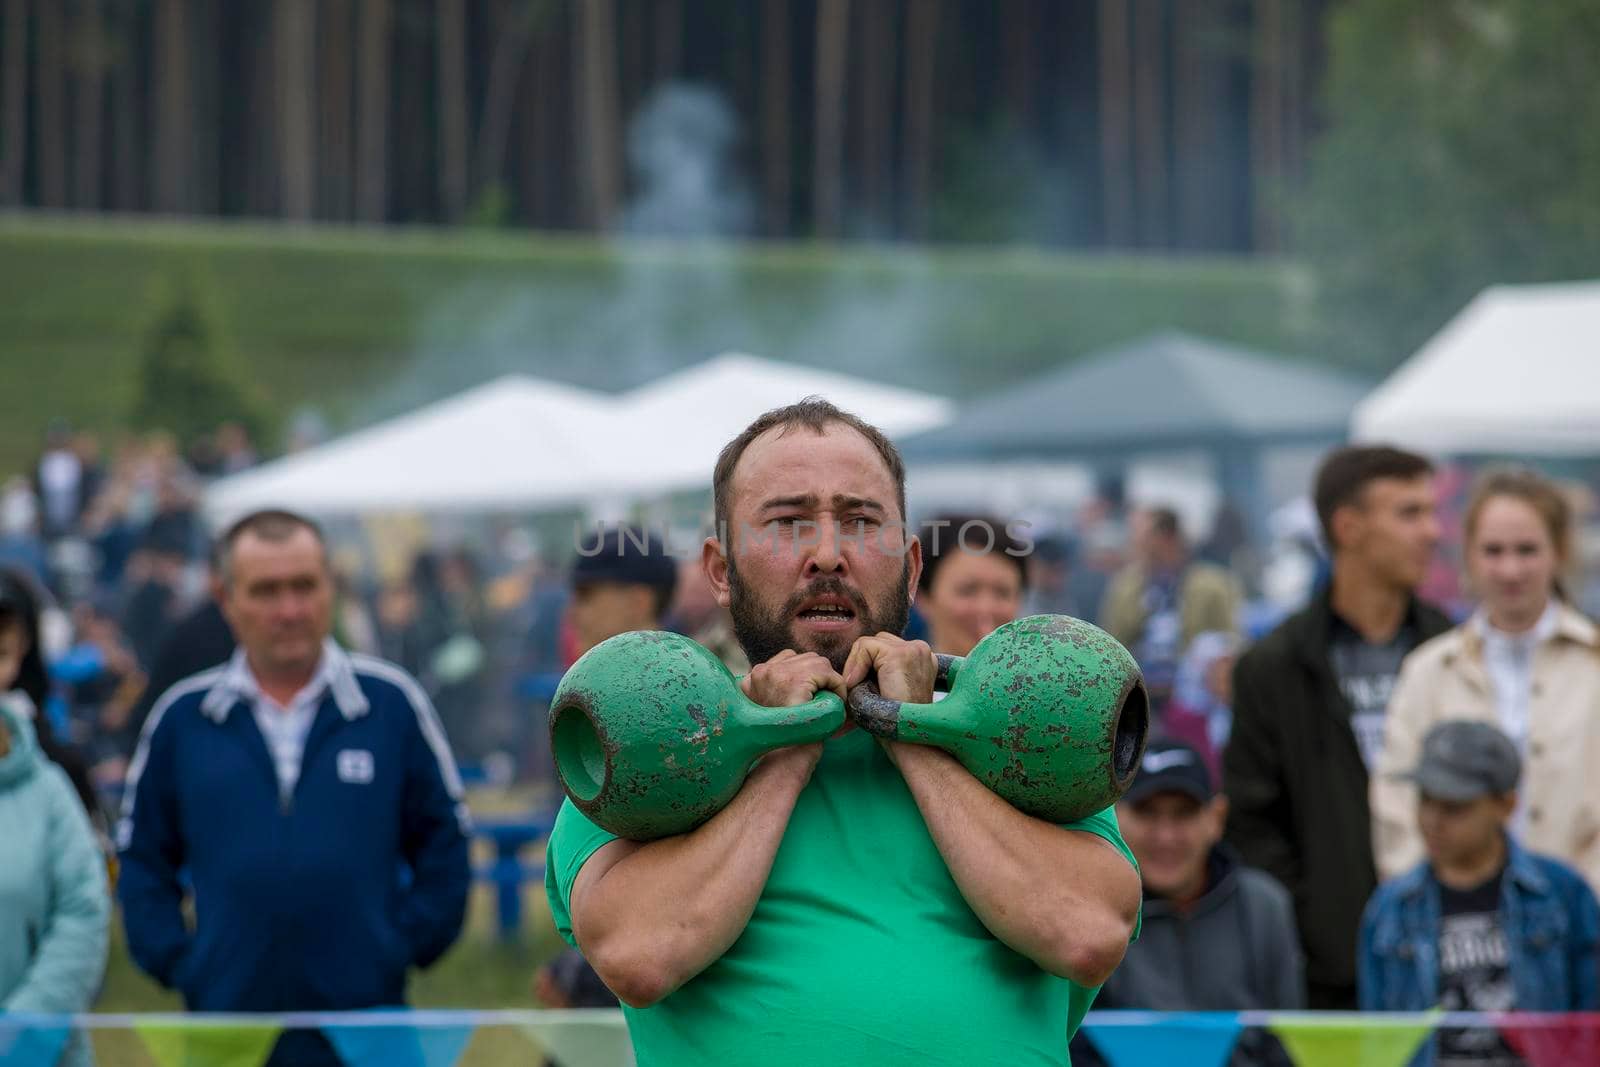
pixel 1050 712
pixel 652 736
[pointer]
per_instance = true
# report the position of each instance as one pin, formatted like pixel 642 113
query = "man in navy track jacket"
pixel 305 795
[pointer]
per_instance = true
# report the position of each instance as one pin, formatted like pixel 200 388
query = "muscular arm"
pixel 1066 899
pixel 649 917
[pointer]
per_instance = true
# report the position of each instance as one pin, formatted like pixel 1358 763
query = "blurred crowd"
pixel 1381 798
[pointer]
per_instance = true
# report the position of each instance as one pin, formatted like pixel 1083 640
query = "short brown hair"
pixel 269 524
pixel 1346 472
pixel 1534 490
pixel 812 413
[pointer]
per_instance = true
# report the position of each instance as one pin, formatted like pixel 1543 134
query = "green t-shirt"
pixel 861 950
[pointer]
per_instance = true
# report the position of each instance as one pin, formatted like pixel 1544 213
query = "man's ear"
pixel 715 562
pixel 1347 522
pixel 914 554
pixel 1217 810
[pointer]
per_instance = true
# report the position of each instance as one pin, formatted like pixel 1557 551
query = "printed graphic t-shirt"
pixel 1366 673
pixel 1474 973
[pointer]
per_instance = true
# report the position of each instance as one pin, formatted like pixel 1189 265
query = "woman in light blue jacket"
pixel 54 903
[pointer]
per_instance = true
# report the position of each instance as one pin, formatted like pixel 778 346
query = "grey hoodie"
pixel 1235 950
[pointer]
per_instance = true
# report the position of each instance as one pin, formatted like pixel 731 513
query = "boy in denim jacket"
pixel 1481 925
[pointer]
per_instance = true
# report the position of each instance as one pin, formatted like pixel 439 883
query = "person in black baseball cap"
pixel 1217 936
pixel 622 580
pixel 1481 924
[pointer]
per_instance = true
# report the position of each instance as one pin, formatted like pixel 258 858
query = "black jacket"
pixel 1297 789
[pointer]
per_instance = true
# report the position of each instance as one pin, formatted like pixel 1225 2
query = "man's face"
pixel 1393 528
pixel 1459 831
pixel 820 554
pixel 602 610
pixel 278 598
pixel 13 646
pixel 1172 835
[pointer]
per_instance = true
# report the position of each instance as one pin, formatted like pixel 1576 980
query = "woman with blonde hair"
pixel 1526 661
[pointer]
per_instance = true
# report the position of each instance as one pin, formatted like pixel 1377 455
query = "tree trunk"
pixel 597 101
pixel 89 105
pixel 1266 122
pixel 169 68
pixel 209 85
pixel 1116 121
pixel 669 39
pixel 372 126
pixel 922 47
pixel 335 80
pixel 14 111
pixel 1150 110
pixel 541 91
pixel 505 72
pixel 52 130
pixel 775 156
pixel 1017 63
pixel 877 108
pixel 827 181
pixel 296 70
pixel 127 134
pixel 451 84
pixel 1198 165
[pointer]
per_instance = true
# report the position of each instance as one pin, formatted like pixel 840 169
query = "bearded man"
pixel 858 902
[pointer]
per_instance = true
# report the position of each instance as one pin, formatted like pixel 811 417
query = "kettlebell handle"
pixel 880 715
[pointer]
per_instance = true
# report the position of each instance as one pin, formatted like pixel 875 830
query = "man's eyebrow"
pixel 803 500
pixel 841 502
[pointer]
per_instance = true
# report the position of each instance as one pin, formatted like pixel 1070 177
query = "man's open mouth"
pixel 826 609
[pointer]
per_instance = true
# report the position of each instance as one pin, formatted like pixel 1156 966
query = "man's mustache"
pixel 827 587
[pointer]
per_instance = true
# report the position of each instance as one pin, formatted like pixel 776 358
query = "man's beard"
pixel 763 636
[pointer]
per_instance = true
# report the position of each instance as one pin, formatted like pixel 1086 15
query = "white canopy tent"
pixel 683 420
pixel 1516 372
pixel 512 442
pixel 519 443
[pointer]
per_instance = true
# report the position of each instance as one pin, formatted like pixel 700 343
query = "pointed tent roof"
pixel 507 443
pixel 1516 371
pixel 1165 391
pixel 685 418
pixel 522 443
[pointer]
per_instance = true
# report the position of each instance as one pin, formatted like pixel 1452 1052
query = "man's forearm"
pixel 1064 899
pixel 668 909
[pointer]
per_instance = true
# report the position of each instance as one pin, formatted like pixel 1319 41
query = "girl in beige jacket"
pixel 1525 661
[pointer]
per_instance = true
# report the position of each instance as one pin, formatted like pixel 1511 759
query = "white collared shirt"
pixel 1508 658
pixel 285 729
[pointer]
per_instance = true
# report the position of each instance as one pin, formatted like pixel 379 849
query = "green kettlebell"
pixel 652 736
pixel 1050 712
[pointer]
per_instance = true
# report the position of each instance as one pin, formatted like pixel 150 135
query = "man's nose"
pixel 826 555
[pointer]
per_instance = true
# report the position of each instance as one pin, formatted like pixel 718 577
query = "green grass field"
pixel 360 322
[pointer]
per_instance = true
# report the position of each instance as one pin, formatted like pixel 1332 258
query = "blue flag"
pixel 1194 1039
pixel 399 1045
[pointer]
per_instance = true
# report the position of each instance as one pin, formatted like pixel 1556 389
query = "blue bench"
pixel 508 873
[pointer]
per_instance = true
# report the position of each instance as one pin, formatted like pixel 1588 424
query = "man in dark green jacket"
pixel 1309 702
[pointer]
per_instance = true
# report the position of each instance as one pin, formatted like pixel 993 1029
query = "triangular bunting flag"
pixel 1554 1040
pixel 200 1043
pixel 583 1042
pixel 31 1046
pixel 1192 1039
pixel 1351 1041
pixel 400 1045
